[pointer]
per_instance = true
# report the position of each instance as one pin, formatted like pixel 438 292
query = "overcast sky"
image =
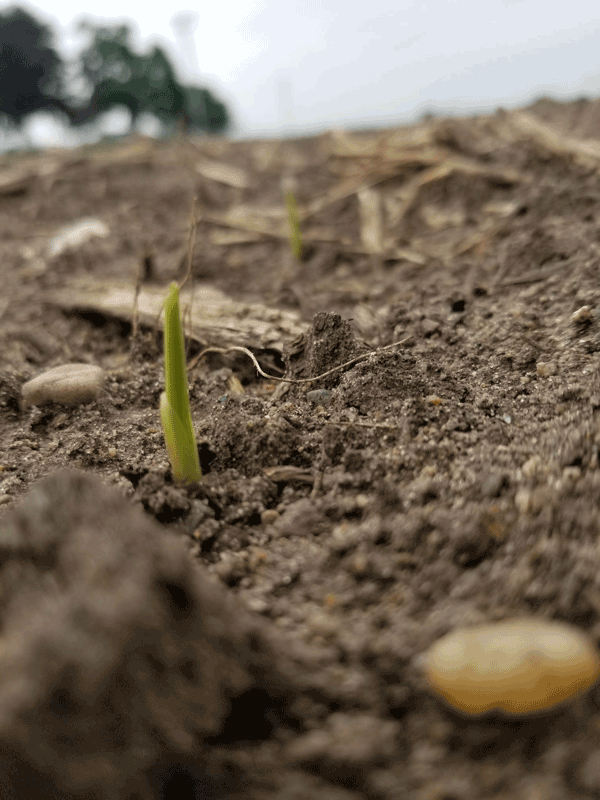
pixel 288 66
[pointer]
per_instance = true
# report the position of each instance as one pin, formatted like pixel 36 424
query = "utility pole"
pixel 184 25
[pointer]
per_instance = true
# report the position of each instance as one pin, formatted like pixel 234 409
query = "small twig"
pixel 136 315
pixel 317 485
pixel 384 426
pixel 191 243
pixel 136 294
pixel 293 380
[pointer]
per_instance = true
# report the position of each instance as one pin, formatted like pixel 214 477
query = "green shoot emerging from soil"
pixel 294 223
pixel 175 411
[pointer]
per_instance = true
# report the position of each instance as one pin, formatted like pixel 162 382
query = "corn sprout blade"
pixel 181 445
pixel 175 414
pixel 294 223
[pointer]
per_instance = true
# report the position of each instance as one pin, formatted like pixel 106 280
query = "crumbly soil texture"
pixel 445 474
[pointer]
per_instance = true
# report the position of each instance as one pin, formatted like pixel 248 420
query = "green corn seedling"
pixel 175 414
pixel 294 223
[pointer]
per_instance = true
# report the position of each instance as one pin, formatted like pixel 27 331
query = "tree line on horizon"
pixel 109 73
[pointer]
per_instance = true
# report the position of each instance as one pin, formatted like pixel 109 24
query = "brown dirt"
pixel 448 481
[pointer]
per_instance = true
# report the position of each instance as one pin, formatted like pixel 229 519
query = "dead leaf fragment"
pixel 211 317
pixel 224 173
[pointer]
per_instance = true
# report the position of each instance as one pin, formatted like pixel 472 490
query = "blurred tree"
pixel 33 78
pixel 111 72
pixel 116 75
pixel 205 112
pixel 31 71
pixel 161 92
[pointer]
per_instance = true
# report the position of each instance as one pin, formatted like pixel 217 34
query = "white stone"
pixel 71 384
pixel 516 667
pixel 76 234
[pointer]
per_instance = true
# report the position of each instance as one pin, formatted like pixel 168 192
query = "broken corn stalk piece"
pixel 175 414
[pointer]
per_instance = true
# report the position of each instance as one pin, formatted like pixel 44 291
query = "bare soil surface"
pixel 449 480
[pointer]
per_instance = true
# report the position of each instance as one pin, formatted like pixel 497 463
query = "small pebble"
pixel 76 234
pixel 493 484
pixel 517 667
pixel 235 387
pixel 269 516
pixel 258 605
pixel 319 397
pixel 523 500
pixel 71 384
pixel 429 327
pixel 545 368
pixel 583 316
